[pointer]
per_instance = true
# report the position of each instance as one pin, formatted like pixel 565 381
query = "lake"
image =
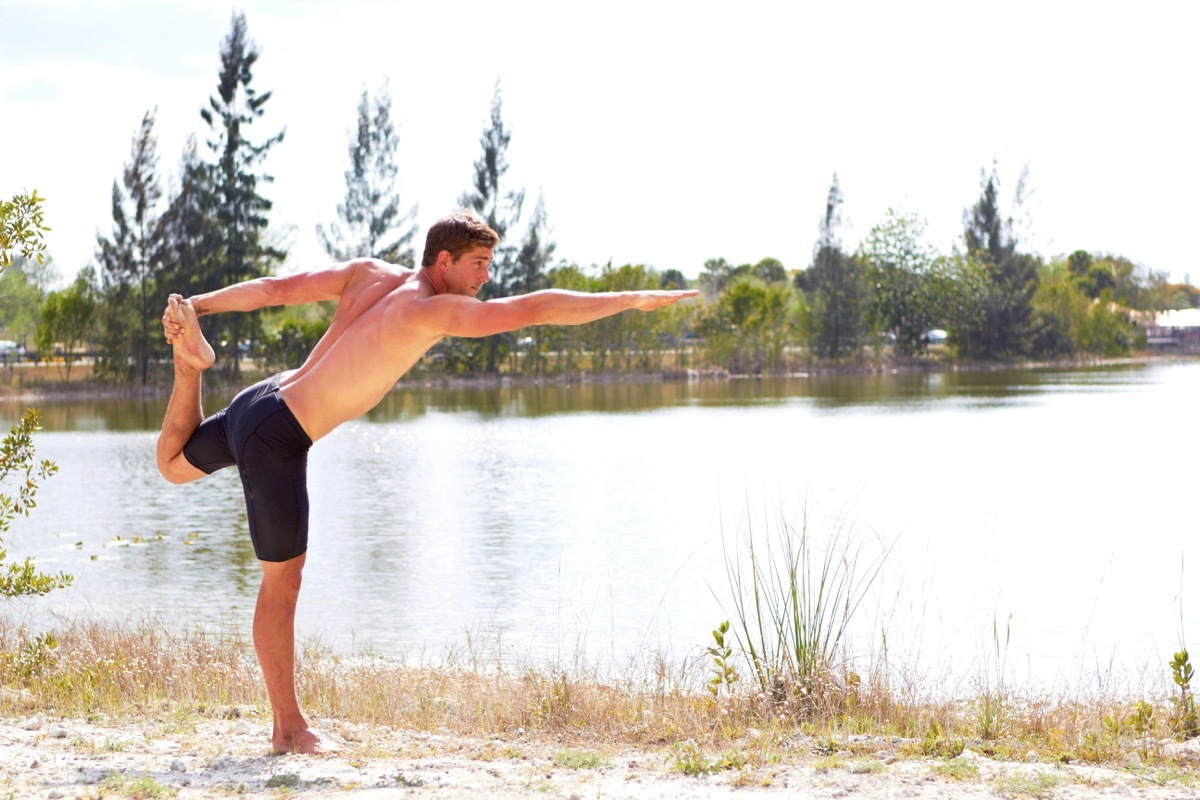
pixel 1049 514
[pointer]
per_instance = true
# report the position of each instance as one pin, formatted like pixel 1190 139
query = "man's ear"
pixel 444 260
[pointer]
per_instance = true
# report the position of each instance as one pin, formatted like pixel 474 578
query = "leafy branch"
pixel 21 228
pixel 18 466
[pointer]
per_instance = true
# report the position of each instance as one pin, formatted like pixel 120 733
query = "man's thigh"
pixel 208 448
pixel 275 481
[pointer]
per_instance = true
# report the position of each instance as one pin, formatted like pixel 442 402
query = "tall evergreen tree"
pixel 1006 306
pixel 240 209
pixel 130 262
pixel 192 242
pixel 500 208
pixel 533 258
pixel 371 211
pixel 531 274
pixel 837 288
pixel 492 200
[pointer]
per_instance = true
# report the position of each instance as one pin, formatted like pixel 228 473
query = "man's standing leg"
pixel 275 643
pixel 192 355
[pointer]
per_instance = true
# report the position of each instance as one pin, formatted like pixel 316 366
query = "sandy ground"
pixel 53 758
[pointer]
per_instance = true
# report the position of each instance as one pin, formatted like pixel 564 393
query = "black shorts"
pixel 258 433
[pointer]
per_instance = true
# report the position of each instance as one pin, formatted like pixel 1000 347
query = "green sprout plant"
pixel 1184 722
pixel 723 670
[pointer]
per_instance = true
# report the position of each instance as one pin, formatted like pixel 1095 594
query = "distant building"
pixel 1175 330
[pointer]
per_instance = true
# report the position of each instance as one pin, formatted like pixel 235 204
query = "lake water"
pixel 548 523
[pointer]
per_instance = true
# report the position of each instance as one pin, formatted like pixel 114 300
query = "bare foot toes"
pixel 307 742
pixel 191 349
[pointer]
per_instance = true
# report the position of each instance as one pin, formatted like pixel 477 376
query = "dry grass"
pixel 146 671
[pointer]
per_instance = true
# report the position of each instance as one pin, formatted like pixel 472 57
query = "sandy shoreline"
pixel 195 757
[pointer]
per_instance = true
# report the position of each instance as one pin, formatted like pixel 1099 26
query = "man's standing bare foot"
pixel 308 742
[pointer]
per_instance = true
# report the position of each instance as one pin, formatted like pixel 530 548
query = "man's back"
pixel 360 357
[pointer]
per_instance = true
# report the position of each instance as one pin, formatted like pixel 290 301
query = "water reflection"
pixel 490 401
pixel 598 513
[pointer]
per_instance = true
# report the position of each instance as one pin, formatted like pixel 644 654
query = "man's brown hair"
pixel 457 233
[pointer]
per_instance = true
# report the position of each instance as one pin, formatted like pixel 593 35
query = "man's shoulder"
pixel 410 308
pixel 371 277
pixel 374 269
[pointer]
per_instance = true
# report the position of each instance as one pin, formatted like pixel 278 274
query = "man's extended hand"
pixel 652 299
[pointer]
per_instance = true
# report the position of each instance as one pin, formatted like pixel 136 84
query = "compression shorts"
pixel 258 433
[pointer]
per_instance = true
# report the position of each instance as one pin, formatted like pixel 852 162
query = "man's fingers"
pixel 176 311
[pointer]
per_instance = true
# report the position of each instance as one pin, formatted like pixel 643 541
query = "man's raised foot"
pixel 191 349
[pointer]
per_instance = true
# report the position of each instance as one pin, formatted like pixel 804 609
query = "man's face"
pixel 469 272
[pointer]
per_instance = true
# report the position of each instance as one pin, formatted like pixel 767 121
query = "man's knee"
pixel 168 470
pixel 283 577
pixel 177 469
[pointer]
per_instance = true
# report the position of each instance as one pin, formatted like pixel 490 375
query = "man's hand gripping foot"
pixel 182 329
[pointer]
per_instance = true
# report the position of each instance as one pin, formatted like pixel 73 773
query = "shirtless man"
pixel 387 317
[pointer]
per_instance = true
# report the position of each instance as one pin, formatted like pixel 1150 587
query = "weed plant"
pixel 1184 720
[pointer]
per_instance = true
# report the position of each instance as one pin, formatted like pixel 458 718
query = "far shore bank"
pixel 49 387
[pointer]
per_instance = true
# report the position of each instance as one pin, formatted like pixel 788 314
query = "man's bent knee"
pixel 178 469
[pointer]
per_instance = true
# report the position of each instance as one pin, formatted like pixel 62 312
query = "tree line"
pixel 892 296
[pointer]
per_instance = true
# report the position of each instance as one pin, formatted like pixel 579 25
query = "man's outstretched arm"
pixel 455 315
pixel 303 287
pixel 289 290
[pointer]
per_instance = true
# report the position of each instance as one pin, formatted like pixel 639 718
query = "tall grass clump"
pixel 794 597
pixel 993 699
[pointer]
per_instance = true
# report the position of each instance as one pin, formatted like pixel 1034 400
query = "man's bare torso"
pixel 372 341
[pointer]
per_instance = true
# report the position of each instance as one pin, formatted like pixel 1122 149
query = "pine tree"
pixel 192 242
pixel 371 211
pixel 533 258
pixel 500 208
pixel 530 275
pixel 837 288
pixel 1006 305
pixel 240 208
pixel 130 262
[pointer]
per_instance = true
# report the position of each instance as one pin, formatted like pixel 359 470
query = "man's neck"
pixel 431 280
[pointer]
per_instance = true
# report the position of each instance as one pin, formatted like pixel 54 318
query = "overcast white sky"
pixel 664 133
